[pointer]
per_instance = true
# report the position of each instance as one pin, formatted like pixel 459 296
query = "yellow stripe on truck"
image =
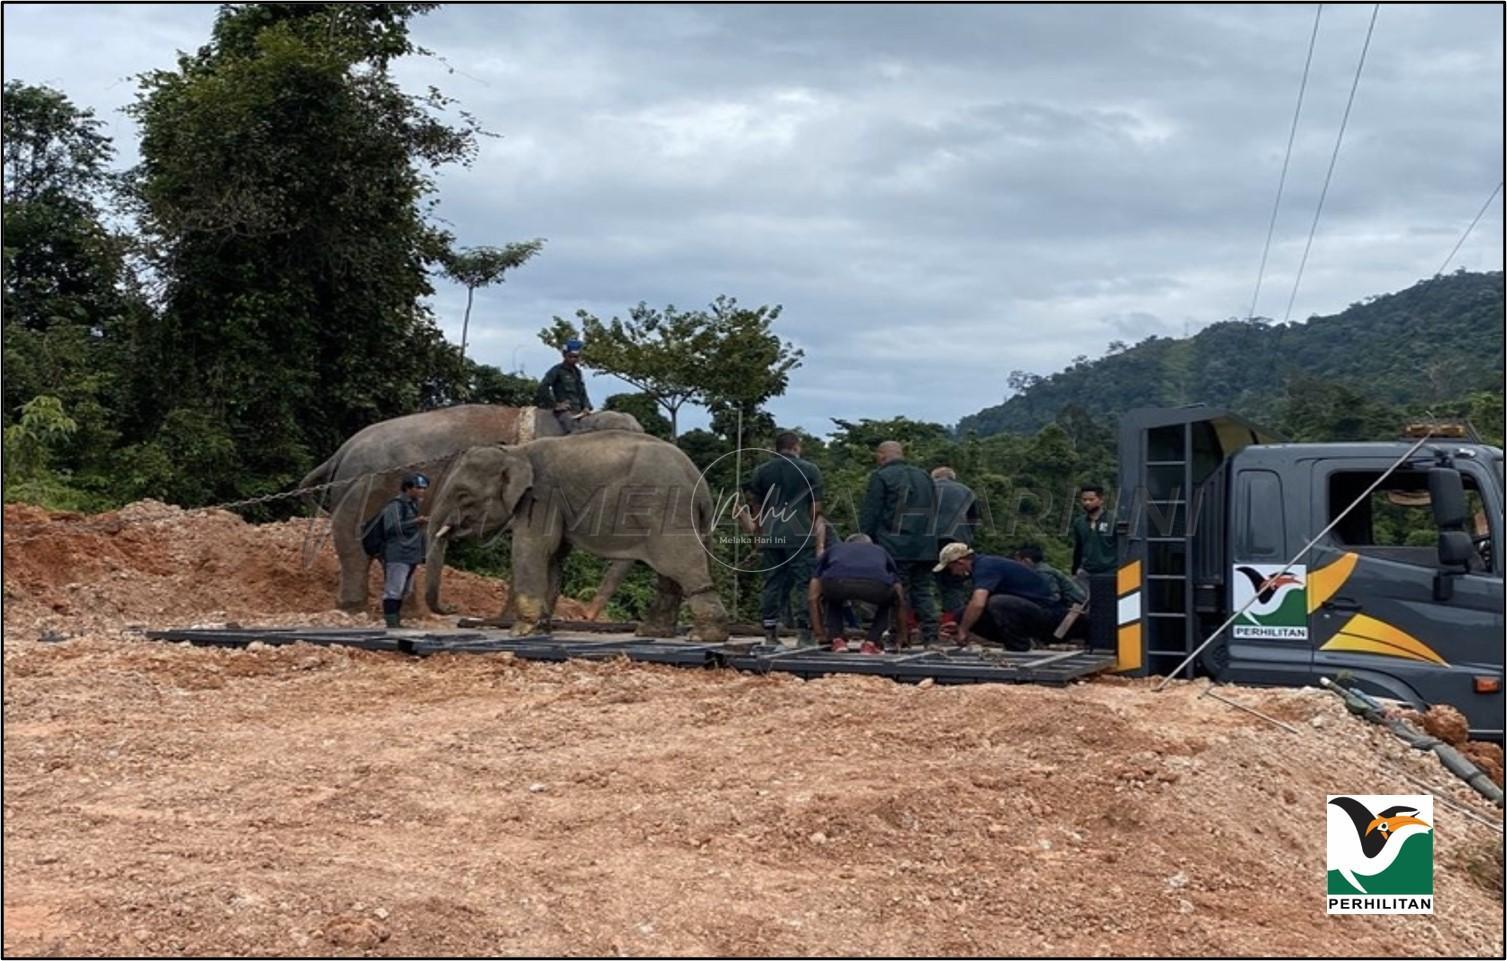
pixel 1367 635
pixel 1325 582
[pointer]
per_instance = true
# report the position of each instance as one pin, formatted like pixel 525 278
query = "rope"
pixel 1333 157
pixel 1282 181
pixel 1479 214
pixel 37 530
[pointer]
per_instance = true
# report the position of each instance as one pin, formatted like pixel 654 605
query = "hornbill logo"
pixel 1366 843
pixel 1266 588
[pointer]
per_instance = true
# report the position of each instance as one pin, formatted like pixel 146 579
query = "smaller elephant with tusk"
pixel 623 496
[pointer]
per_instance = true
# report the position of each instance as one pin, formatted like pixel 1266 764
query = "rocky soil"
pixel 165 799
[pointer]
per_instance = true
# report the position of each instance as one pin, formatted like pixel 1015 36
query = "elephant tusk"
pixel 442 532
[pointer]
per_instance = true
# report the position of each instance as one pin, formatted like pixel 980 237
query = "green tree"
pixel 282 185
pixel 29 443
pixel 491 385
pixel 476 267
pixel 70 299
pixel 723 357
pixel 643 408
pixel 1316 410
pixel 51 146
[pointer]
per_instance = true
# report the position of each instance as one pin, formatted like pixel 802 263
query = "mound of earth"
pixel 166 799
pixel 153 563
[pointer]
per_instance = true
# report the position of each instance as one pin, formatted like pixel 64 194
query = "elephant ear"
pixel 516 481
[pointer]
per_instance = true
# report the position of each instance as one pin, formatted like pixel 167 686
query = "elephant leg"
pixel 533 557
pixel 556 577
pixel 434 572
pixel 659 621
pixel 355 565
pixel 611 581
pixel 681 561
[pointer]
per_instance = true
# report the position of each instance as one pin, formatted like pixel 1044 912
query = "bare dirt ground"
pixel 163 799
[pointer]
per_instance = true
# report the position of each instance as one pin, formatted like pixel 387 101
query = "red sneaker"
pixel 868 648
pixel 838 644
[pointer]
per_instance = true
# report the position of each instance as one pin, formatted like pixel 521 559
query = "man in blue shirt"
pixel 1010 604
pixel 856 570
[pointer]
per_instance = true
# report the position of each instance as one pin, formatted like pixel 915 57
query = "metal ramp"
pixel 942 667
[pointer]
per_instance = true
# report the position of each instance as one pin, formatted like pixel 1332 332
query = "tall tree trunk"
pixel 465 325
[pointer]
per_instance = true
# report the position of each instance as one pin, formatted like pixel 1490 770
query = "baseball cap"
pixel 952 552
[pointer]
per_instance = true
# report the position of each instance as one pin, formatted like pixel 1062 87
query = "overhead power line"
pixel 1375 9
pixel 1479 214
pixel 1282 180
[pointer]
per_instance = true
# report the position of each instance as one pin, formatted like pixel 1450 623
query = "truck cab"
pixel 1399 591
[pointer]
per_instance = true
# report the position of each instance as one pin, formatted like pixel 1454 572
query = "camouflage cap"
pixel 955 551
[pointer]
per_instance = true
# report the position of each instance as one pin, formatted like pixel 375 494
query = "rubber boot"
pixel 771 633
pixel 390 609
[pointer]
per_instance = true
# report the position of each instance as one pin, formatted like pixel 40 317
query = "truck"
pixel 1399 594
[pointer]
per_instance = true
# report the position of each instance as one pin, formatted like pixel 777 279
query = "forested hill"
pixel 1437 339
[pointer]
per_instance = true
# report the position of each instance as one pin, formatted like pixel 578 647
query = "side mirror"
pixel 1455 549
pixel 1447 495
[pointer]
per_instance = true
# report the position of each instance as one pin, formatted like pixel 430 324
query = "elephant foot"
pixel 709 618
pixel 709 632
pixel 352 606
pixel 594 609
pixel 531 618
pixel 442 608
pixel 654 629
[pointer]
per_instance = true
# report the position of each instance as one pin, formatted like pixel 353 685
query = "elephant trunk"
pixel 437 538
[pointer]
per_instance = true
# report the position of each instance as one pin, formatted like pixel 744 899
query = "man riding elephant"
pixel 618 495
pixel 563 389
pixel 365 472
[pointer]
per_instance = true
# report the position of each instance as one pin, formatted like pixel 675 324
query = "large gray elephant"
pixel 368 468
pixel 622 496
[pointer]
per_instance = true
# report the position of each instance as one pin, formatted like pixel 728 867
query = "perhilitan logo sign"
pixel 1278 598
pixel 1381 854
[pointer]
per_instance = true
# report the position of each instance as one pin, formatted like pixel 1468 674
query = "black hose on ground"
pixel 1358 702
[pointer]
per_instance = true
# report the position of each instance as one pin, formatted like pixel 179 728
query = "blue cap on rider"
pixel 573 346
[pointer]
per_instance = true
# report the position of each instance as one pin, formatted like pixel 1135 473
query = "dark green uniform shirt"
pixel 899 512
pixel 957 512
pixel 1094 543
pixel 563 385
pixel 1064 589
pixel 783 488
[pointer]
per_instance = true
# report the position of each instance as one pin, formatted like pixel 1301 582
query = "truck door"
pixel 1268 643
pixel 1374 615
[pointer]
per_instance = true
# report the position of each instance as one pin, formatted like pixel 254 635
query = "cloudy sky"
pixel 936 194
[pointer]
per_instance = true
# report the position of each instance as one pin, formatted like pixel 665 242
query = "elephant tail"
pixel 323 474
